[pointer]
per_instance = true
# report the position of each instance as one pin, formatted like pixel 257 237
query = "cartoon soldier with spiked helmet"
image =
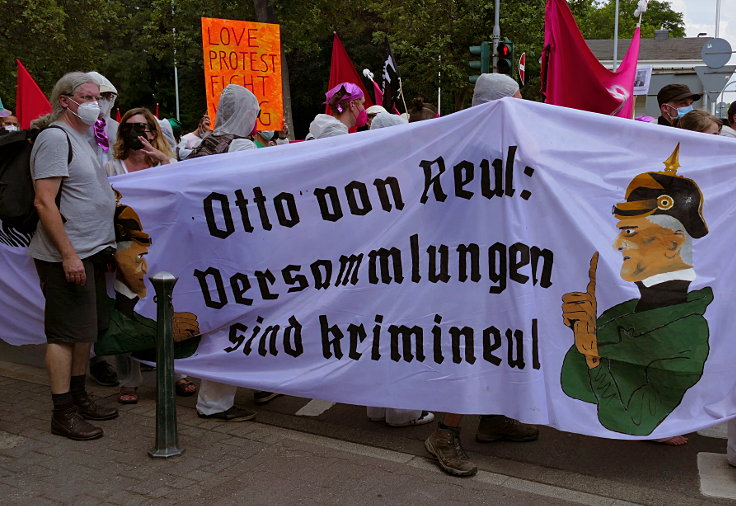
pixel 638 358
pixel 128 330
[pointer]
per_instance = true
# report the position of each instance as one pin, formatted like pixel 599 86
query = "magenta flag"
pixel 573 77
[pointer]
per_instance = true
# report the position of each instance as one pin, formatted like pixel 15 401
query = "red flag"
pixel 156 110
pixel 342 70
pixel 573 77
pixel 30 102
pixel 117 116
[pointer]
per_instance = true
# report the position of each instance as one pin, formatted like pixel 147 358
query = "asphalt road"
pixel 637 472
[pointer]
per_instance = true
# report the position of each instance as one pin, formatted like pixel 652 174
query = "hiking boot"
pixel 262 397
pixel 103 373
pixel 445 446
pixel 234 414
pixel 69 423
pixel 90 410
pixel 498 427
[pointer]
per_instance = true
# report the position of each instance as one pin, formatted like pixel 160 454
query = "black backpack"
pixel 16 185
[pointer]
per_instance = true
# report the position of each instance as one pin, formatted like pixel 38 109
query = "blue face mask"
pixel 681 111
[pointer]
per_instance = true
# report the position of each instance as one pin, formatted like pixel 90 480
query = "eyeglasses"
pixel 141 127
pixel 88 98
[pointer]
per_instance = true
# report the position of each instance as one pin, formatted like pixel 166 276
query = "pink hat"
pixel 351 92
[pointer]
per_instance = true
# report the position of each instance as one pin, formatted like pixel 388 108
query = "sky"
pixel 700 16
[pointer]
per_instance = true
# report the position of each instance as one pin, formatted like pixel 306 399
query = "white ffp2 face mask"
pixel 88 112
pixel 11 128
pixel 105 107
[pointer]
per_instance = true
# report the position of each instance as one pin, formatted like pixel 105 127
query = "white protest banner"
pixel 424 266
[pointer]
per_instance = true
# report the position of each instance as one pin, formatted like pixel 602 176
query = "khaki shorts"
pixel 73 313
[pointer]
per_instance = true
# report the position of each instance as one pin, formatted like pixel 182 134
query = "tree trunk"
pixel 265 13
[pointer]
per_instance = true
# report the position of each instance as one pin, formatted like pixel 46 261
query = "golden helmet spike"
pixel 673 162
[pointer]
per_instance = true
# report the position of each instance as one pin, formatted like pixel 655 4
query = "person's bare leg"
pixel 59 366
pixel 80 358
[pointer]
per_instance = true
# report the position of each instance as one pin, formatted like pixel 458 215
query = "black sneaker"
pixel 103 373
pixel 234 414
pixel 262 397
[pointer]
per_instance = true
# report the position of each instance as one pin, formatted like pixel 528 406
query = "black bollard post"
pixel 167 441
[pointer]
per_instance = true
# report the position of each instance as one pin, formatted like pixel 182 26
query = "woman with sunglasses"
pixel 140 144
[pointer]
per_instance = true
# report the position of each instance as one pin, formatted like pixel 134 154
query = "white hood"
pixel 236 112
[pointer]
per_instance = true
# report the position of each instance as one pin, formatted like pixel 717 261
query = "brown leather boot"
pixel 68 423
pixel 90 410
pixel 498 427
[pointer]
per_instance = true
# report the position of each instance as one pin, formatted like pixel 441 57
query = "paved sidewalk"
pixel 223 463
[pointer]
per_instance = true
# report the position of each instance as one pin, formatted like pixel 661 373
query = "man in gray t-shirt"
pixel 71 249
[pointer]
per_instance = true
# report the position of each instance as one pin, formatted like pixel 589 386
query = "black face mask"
pixel 130 136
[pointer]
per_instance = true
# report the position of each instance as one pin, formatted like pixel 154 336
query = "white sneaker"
pixel 424 417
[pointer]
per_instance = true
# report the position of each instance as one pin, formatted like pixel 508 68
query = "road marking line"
pixel 717 478
pixel 315 407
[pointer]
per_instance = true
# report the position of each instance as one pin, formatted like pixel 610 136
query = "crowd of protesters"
pixel 72 259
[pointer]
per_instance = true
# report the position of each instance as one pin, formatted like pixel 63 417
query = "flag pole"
pixel 439 86
pixel 615 39
pixel 176 71
pixel 401 92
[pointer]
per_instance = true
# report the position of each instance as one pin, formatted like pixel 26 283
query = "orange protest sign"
pixel 248 54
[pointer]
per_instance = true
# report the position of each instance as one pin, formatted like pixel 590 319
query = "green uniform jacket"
pixel 137 334
pixel 648 362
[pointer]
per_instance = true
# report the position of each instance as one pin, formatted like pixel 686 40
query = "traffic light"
pixel 505 51
pixel 484 64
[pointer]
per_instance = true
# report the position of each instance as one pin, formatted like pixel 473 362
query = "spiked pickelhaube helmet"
pixel 664 192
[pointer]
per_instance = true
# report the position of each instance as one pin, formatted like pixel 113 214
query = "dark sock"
pixel 448 427
pixel 77 385
pixel 62 401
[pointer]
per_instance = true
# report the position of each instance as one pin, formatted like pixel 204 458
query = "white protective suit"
pixel 325 125
pixel 237 112
pixel 384 119
pixel 111 126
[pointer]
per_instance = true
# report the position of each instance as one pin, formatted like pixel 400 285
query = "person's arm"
pixel 50 217
pixel 665 362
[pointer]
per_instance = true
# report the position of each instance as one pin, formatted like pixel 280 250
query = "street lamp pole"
pixel 615 39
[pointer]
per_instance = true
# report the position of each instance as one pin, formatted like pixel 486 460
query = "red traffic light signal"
pixel 505 52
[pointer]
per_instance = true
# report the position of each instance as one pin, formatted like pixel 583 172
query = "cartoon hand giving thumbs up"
pixel 579 313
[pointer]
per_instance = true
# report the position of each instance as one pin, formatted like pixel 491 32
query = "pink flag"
pixel 573 77
pixel 30 102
